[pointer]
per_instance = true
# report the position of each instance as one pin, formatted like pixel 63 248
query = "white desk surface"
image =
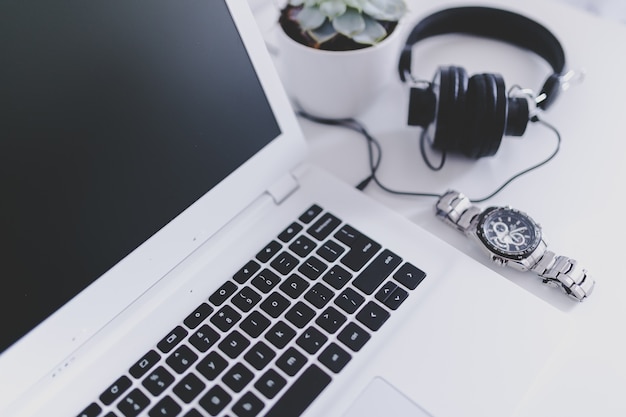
pixel 578 197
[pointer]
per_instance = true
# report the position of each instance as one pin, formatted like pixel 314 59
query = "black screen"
pixel 115 116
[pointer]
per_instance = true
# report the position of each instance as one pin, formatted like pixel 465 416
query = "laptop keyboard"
pixel 280 329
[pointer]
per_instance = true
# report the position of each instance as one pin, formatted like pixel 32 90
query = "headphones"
pixel 470 115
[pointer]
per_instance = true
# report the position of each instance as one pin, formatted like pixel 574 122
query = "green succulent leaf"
pixel 356 4
pixel 310 18
pixel 385 9
pixel 373 33
pixel 378 9
pixel 333 8
pixel 356 19
pixel 323 33
pixel 350 23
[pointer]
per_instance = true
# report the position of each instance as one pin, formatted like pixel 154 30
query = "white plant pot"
pixel 337 84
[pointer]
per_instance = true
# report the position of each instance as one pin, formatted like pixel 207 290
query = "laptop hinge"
pixel 283 188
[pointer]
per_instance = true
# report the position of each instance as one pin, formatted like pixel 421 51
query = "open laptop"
pixel 165 251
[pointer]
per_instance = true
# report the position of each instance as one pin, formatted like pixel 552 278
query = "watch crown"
pixel 498 261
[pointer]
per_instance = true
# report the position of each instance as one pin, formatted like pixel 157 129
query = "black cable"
pixel 374 149
pixel 375 156
pixel 534 119
pixel 425 157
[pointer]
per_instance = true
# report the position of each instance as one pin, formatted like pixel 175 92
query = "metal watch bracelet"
pixel 562 272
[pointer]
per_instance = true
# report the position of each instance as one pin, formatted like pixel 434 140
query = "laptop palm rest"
pixel 380 399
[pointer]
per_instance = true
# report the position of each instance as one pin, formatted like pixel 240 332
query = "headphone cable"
pixel 375 155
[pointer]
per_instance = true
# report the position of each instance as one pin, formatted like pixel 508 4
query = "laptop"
pixel 167 250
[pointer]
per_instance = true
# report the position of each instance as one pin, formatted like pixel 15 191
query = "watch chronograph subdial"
pixel 508 231
pixel 509 237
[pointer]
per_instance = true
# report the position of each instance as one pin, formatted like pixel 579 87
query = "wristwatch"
pixel 512 238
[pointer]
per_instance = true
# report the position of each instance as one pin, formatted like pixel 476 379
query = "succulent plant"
pixel 363 21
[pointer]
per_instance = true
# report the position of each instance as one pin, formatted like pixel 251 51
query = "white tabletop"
pixel 577 197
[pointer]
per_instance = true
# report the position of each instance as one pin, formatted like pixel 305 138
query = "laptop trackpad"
pixel 381 399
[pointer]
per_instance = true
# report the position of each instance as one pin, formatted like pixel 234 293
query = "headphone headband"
pixel 502 25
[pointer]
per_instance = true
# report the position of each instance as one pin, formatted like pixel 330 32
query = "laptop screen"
pixel 115 116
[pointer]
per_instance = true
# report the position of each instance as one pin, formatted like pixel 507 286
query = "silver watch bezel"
pixel 507 255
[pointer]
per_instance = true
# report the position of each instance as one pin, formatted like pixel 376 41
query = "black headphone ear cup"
pixel 485 115
pixel 517 116
pixel 452 84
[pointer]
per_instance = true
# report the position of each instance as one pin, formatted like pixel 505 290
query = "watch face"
pixel 508 232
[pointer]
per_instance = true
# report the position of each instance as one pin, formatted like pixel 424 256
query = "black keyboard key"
pixel 330 251
pixel 362 250
pixel 93 410
pixel 158 380
pixel 172 339
pixel 167 407
pixel 311 340
pixel 348 235
pixel 409 275
pixel 134 403
pixel 302 246
pixel 385 291
pixel 225 318
pixel 349 300
pixel 324 226
pixel 300 314
pixel 294 286
pixel 215 400
pixel 222 293
pixel 291 361
pixel 319 295
pixel 310 214
pixel 212 365
pixel 372 316
pixel 280 334
pixel 265 281
pixel 396 298
pixel 248 405
pixel 259 355
pixel 284 263
pixel 301 394
pixel 270 383
pixel 144 364
pixel 246 272
pixel 246 298
pixel 290 232
pixel 193 413
pixel 334 357
pixel 115 390
pixel 275 304
pixel 234 344
pixel 237 377
pixel 376 272
pixel 255 324
pixel 354 336
pixel 269 251
pixel 331 320
pixel 189 388
pixel 181 359
pixel 110 414
pixel 312 268
pixel 204 338
pixel 199 314
pixel 337 277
